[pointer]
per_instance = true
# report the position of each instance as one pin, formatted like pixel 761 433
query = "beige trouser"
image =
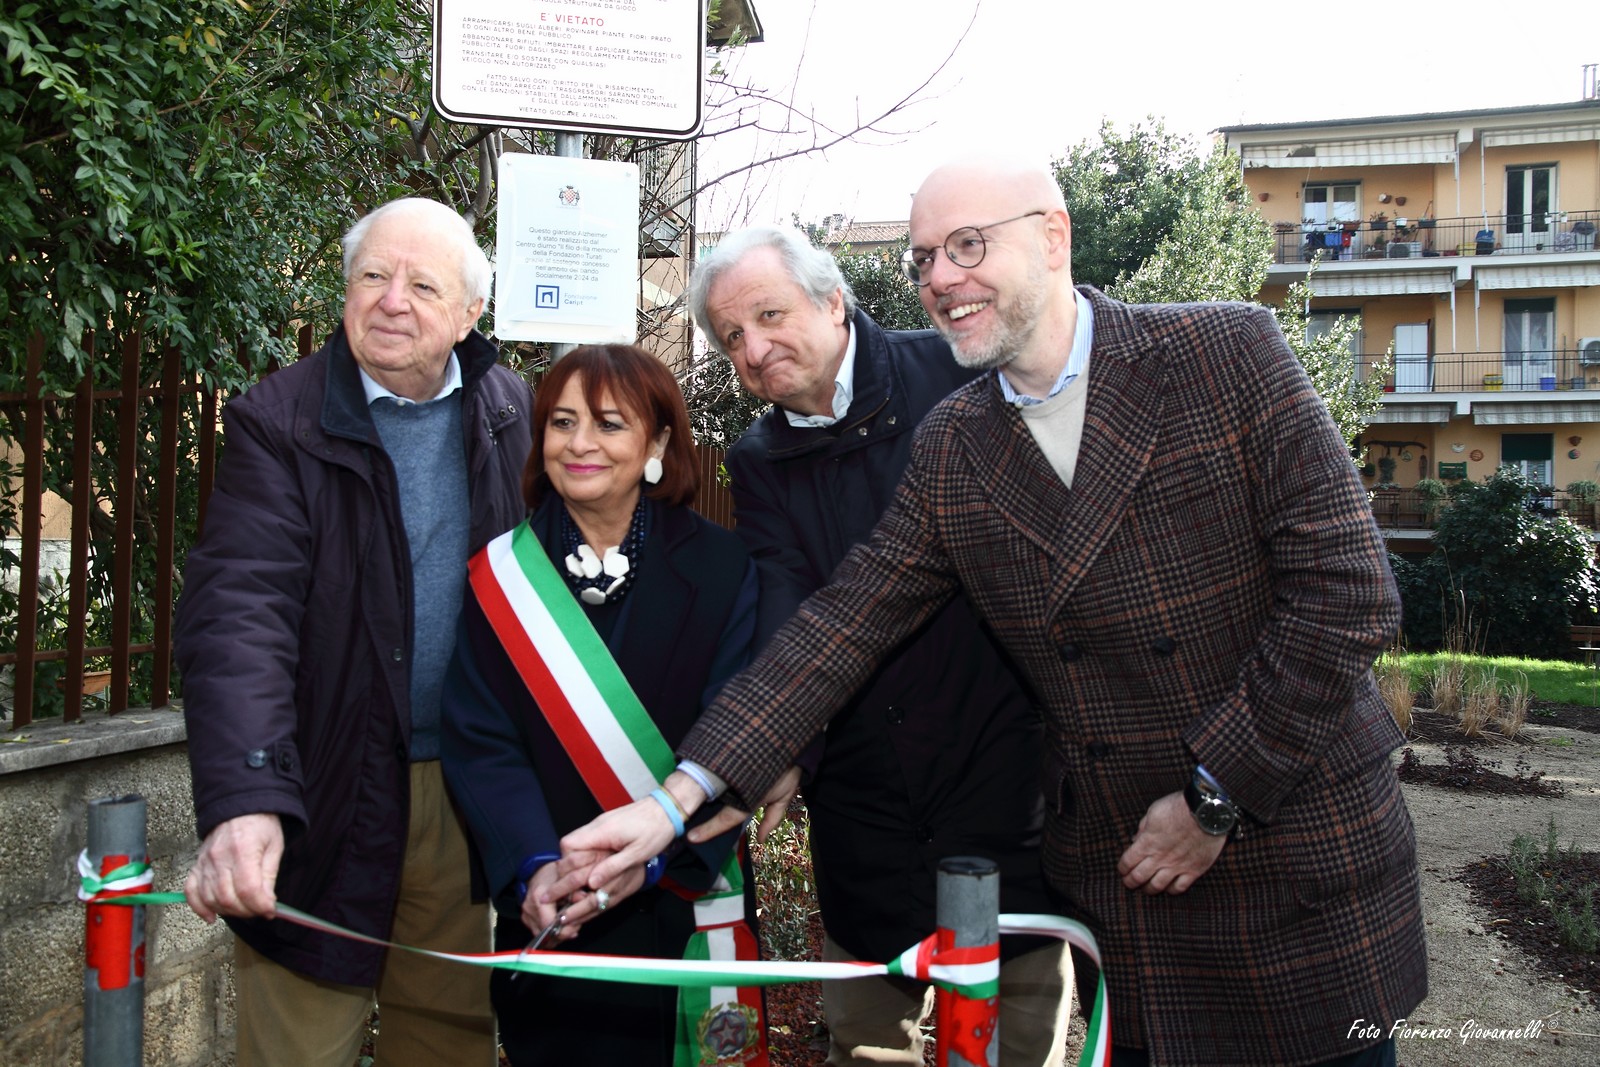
pixel 876 1021
pixel 430 1011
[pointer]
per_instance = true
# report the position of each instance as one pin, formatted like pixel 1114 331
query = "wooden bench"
pixel 1585 641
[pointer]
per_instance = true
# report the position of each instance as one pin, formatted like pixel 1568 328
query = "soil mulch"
pixel 1464 770
pixel 1427 725
pixel 796 1033
pixel 1527 924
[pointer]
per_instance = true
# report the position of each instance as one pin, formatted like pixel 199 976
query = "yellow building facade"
pixel 1467 242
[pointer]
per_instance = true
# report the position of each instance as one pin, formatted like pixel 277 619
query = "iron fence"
pixel 133 513
pixel 1553 371
pixel 1408 239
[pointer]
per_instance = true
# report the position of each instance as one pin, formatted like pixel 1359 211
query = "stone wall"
pixel 48 774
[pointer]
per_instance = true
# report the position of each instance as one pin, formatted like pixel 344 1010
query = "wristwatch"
pixel 1213 811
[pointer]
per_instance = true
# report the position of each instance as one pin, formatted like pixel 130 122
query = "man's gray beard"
pixel 976 356
pixel 1018 320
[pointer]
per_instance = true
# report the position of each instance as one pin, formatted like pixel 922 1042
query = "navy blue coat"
pixel 939 756
pixel 294 636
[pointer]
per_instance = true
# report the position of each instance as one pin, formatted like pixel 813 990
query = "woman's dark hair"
pixel 644 389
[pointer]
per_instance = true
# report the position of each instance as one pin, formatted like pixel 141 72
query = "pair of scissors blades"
pixel 544 935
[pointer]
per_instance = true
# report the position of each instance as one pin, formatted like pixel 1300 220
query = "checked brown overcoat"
pixel 1211 589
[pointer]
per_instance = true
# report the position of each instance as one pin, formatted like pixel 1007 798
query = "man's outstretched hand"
pixel 236 872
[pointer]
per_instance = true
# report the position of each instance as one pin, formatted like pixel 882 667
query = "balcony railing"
pixel 1407 509
pixel 1475 235
pixel 1557 370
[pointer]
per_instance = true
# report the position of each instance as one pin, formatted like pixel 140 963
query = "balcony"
pixel 1404 239
pixel 1565 370
pixel 1407 510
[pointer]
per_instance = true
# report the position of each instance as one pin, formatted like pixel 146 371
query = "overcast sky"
pixel 1037 79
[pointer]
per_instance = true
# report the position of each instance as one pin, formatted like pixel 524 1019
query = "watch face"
pixel 1214 816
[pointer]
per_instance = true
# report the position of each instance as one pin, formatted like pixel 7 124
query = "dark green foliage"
pixel 719 408
pixel 1125 192
pixel 180 173
pixel 882 291
pixel 1517 569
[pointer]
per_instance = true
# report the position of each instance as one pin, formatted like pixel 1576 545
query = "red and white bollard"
pixel 968 914
pixel 113 941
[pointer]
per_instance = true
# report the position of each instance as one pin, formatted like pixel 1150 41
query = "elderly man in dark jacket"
pixel 317 619
pixel 939 755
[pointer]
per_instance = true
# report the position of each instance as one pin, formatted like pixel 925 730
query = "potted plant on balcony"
pixel 1431 494
pixel 1379 220
pixel 1584 495
pixel 1386 465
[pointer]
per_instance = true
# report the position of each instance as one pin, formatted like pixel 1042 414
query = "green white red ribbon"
pixel 570 672
pixel 971 972
pixel 124 879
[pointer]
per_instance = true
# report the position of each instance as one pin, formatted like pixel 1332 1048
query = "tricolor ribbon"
pixel 971 972
pixel 124 879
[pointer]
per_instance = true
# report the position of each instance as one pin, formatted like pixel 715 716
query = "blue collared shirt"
pixel 374 391
pixel 843 390
pixel 1077 359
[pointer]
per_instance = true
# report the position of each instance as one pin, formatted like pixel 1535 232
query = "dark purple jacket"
pixel 294 636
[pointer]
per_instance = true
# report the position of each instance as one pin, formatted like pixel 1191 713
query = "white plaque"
pixel 567 250
pixel 632 67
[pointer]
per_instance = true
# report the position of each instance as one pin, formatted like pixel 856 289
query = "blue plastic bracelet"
pixel 670 806
pixel 527 869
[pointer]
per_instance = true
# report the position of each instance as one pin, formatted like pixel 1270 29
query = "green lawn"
pixel 1559 681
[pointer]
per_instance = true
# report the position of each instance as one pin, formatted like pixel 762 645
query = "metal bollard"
pixel 968 914
pixel 113 977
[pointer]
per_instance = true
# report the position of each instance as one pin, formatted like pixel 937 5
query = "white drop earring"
pixel 652 470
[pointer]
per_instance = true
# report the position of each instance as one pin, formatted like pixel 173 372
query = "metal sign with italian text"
pixel 628 67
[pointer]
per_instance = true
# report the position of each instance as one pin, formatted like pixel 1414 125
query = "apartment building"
pixel 1466 240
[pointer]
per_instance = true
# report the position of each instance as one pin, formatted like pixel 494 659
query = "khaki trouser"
pixel 430 1011
pixel 878 1021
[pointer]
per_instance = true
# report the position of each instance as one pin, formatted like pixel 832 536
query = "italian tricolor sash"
pixel 621 755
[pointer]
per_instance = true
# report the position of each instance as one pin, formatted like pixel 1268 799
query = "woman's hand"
pixel 539 910
pixel 621 840
pixel 585 905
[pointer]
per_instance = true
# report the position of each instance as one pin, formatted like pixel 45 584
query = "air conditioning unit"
pixel 1589 351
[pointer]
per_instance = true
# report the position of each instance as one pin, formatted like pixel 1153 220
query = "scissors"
pixel 544 935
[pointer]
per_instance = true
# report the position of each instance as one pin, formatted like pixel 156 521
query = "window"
pixel 1531 453
pixel 1530 196
pixel 1330 203
pixel 1529 349
pixel 1321 323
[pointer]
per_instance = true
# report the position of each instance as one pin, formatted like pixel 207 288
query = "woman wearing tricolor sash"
pixel 592 637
